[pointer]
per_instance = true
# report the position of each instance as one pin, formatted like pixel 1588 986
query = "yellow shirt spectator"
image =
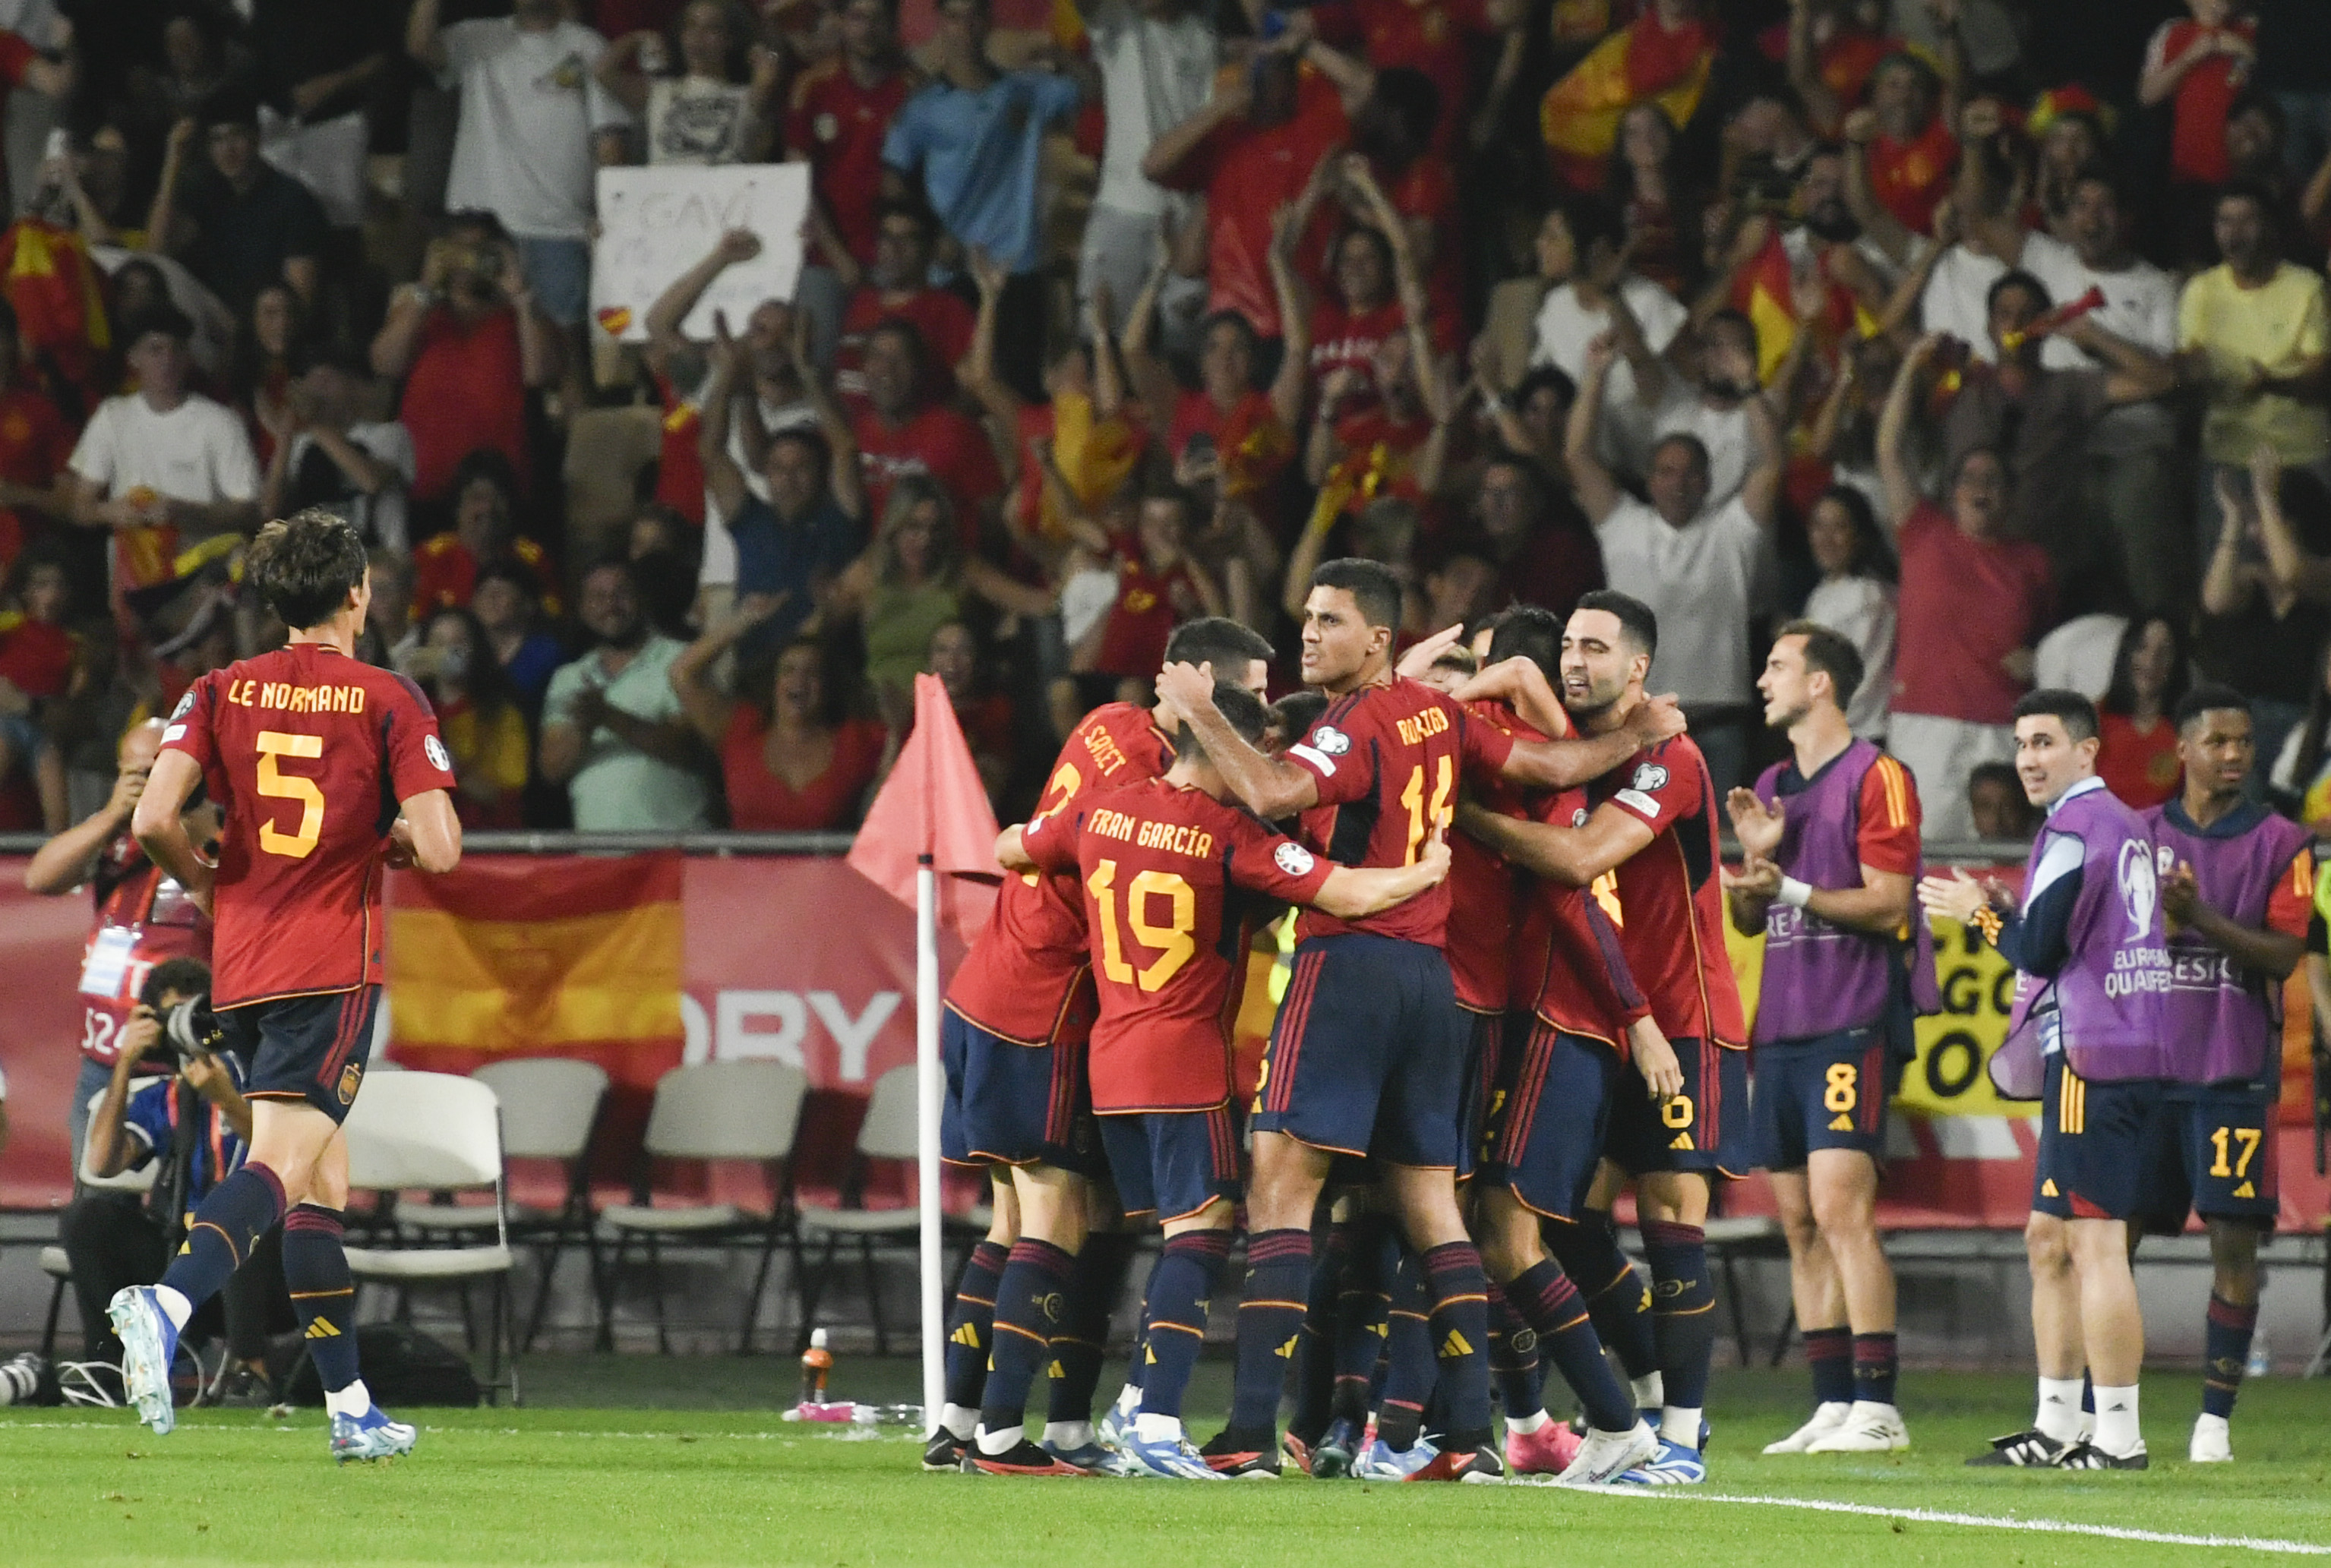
pixel 2277 326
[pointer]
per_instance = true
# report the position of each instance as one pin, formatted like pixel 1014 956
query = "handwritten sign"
pixel 655 224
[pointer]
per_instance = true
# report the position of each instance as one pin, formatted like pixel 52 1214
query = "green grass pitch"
pixel 575 1484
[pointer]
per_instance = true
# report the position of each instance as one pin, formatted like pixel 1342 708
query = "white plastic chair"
pixel 435 1131
pixel 888 1133
pixel 714 1110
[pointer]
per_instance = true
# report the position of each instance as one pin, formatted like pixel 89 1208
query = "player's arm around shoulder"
pixel 1573 856
pixel 1353 892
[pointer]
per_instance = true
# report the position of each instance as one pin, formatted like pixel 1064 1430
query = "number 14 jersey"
pixel 308 753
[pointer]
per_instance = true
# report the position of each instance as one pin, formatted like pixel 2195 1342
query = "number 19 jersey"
pixel 308 753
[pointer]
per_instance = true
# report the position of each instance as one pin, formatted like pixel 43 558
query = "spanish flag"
pixel 574 956
pixel 1579 116
pixel 58 301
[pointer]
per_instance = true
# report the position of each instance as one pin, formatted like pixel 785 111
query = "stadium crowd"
pixel 1991 335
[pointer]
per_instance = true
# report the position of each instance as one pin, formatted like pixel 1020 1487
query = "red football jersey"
pixel 307 752
pixel 839 127
pixel 939 440
pixel 1485 893
pixel 143 916
pixel 1173 882
pixel 1568 966
pixel 1023 979
pixel 1669 904
pixel 1388 759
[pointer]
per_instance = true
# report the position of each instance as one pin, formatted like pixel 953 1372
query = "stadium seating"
pixel 888 1133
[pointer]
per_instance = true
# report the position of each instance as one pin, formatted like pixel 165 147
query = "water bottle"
pixel 816 1363
pixel 2261 1356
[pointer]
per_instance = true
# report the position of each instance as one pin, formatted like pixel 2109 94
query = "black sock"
pixel 1461 1339
pixel 1683 1319
pixel 1029 1305
pixel 1362 1315
pixel 968 1324
pixel 1095 1287
pixel 239 1211
pixel 1187 1275
pixel 1874 1366
pixel 1410 1371
pixel 1587 1248
pixel 1269 1323
pixel 1829 1353
pixel 1315 1360
pixel 2226 1341
pixel 323 1292
pixel 1513 1359
pixel 1547 1300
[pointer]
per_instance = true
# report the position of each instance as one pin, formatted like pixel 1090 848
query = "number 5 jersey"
pixel 308 753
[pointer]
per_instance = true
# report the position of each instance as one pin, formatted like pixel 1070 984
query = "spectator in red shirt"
pixel 1348 332
pixel 841 108
pixel 446 567
pixel 36 659
pixel 1912 157
pixel 1434 38
pixel 2138 762
pixel 470 344
pixel 984 716
pixel 2200 65
pixel 1159 585
pixel 901 430
pixel 35 446
pixel 899 286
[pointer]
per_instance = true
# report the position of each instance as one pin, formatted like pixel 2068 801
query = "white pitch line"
pixel 1941 1516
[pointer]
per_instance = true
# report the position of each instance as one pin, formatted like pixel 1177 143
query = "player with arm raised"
pixel 1367 1055
pixel 1651 830
pixel 1175 880
pixel 328 771
pixel 1012 1039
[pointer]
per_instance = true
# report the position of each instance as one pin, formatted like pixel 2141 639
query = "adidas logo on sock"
pixel 321 1329
pixel 1454 1346
pixel 968 1334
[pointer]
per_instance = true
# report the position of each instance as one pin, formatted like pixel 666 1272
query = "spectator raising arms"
pixel 788 761
pixel 840 110
pixel 704 114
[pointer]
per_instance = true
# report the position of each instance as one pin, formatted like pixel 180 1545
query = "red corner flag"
pixel 933 804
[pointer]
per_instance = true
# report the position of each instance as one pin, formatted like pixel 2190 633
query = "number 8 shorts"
pixel 1826 1092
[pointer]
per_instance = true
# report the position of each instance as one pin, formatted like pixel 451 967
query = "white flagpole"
pixel 927 1089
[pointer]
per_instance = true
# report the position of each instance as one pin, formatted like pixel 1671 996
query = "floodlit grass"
pixel 668 1486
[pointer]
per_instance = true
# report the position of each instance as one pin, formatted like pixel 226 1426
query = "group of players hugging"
pixel 1510 1001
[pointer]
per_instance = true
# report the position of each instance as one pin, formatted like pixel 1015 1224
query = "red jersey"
pixel 37 656
pixel 1910 178
pixel 143 916
pixel 1345 338
pixel 466 389
pixel 946 322
pixel 35 446
pixel 1248 173
pixel 1255 447
pixel 1435 38
pixel 1174 884
pixel 2204 95
pixel 1568 966
pixel 937 440
pixel 1388 759
pixel 1141 622
pixel 307 752
pixel 445 573
pixel 1669 904
pixel 839 126
pixel 680 466
pixel 1023 979
pixel 1484 892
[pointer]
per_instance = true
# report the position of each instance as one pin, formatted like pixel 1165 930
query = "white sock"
pixel 1679 1424
pixel 176 1303
pixel 1151 1429
pixel 352 1401
pixel 2117 1428
pixel 958 1420
pixel 2059 1408
pixel 2206 1423
pixel 1650 1391
pixel 1001 1442
pixel 1068 1434
pixel 1528 1423
pixel 1128 1398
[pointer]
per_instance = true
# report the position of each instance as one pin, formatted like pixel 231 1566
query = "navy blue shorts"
pixel 1553 1111
pixel 1826 1092
pixel 2214 1153
pixel 1172 1163
pixel 1484 1054
pixel 1015 1104
pixel 305 1047
pixel 1704 1129
pixel 2094 1141
pixel 1367 1056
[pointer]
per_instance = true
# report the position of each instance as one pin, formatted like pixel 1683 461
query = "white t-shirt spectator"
pixel 1703 581
pixel 1564 328
pixel 380 519
pixel 197 451
pixel 1861 611
pixel 619 787
pixel 1958 298
pixel 1724 431
pixel 529 110
pixel 2140 301
pixel 1154 73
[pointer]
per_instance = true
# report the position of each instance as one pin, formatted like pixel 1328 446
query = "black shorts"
pixel 1367 1056
pixel 305 1047
pixel 1704 1129
pixel 1015 1104
pixel 2094 1141
pixel 1484 1052
pixel 2214 1153
pixel 1827 1092
pixel 1172 1163
pixel 1553 1111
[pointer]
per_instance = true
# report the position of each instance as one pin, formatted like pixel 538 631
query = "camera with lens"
pixel 189 1026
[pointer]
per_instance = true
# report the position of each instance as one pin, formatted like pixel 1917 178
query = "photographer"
pixel 197 1124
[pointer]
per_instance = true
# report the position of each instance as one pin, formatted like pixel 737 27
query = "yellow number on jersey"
pixel 2250 1138
pixel 1059 792
pixel 1423 818
pixel 1173 944
pixel 275 743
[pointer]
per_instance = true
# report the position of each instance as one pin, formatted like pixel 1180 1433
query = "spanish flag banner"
pixel 575 955
pixel 1579 116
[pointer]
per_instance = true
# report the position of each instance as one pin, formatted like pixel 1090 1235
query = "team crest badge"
pixel 1578 817
pixel 1329 741
pixel 1294 859
pixel 1650 778
pixel 435 751
pixel 349 1077
pixel 186 706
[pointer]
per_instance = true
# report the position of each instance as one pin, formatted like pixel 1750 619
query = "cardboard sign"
pixel 655 224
